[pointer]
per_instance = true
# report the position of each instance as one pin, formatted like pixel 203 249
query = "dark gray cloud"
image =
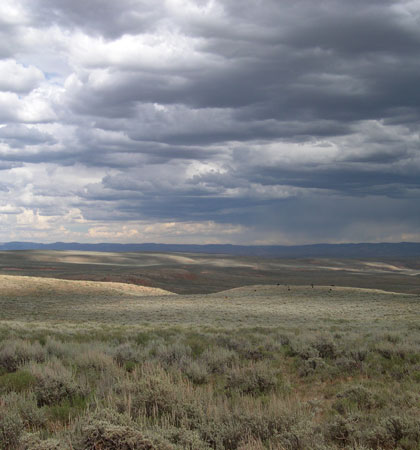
pixel 102 18
pixel 289 121
pixel 18 136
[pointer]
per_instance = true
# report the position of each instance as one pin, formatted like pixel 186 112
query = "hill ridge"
pixel 347 250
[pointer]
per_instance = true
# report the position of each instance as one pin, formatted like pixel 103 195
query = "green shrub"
pixel 18 381
pixel 66 410
pixel 142 338
pixel 129 366
pixel 197 342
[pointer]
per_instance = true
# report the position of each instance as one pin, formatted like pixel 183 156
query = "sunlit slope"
pixel 38 287
pixel 50 300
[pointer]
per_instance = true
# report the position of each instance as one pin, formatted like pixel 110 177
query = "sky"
pixel 210 121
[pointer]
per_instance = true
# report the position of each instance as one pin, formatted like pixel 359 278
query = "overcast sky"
pixel 196 121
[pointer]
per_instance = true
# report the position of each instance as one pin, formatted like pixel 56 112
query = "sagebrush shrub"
pixel 341 430
pixel 126 353
pixel 273 425
pixel 185 439
pixel 59 349
pixel 219 359
pixel 355 395
pixel 25 404
pixel 176 354
pixel 255 380
pixel 197 372
pixel 243 347
pixel 310 366
pixel 395 432
pixel 11 428
pixel 302 350
pixel 326 348
pixel 54 382
pixel 348 365
pixel 15 352
pixel 30 441
pixel 94 358
pixel 105 436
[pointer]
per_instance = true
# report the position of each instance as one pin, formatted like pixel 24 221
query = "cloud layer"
pixel 209 121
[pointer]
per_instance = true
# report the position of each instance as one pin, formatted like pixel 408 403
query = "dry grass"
pixel 21 286
pixel 40 300
pixel 87 365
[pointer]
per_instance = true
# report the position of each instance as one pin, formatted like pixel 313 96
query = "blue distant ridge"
pixel 362 250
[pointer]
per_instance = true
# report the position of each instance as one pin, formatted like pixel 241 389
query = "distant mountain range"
pixel 363 250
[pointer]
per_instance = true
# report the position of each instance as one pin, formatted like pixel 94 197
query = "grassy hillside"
pixel 202 274
pixel 97 366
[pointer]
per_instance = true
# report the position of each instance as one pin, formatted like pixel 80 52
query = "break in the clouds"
pixel 209 121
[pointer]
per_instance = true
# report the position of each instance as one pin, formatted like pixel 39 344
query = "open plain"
pixel 212 352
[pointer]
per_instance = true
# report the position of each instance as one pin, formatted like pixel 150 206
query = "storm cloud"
pixel 207 121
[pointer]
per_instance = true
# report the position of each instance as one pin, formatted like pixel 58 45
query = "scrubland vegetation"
pixel 299 369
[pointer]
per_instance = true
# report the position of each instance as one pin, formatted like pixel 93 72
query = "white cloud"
pixel 9 209
pixel 17 78
pixel 12 13
pixel 125 233
pixel 32 108
pixel 149 52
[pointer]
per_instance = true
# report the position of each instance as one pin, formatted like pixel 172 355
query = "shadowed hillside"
pixel 188 273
